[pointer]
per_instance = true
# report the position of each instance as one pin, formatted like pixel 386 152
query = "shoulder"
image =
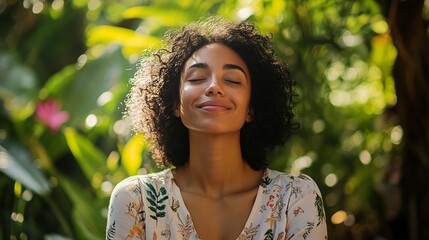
pixel 126 214
pixel 133 186
pixel 295 187
pixel 302 181
pixel 304 204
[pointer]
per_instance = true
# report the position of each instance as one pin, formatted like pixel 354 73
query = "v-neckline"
pixel 253 211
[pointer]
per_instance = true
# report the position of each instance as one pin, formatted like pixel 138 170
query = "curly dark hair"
pixel 155 91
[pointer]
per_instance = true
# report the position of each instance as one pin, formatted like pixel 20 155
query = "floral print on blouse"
pixel 151 207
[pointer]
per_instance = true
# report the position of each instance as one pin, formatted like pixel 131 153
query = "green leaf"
pixel 164 16
pixel 81 90
pixel 16 162
pixel 18 88
pixel 151 195
pixel 86 216
pixel 132 154
pixel 151 188
pixel 118 35
pixel 160 208
pixel 160 214
pixel 152 208
pixel 152 202
pixel 59 80
pixel 53 236
pixel 90 158
pixel 163 190
pixel 163 199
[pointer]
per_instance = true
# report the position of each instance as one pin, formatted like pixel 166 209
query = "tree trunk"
pixel 409 32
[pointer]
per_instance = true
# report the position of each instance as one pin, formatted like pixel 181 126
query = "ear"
pixel 176 110
pixel 249 115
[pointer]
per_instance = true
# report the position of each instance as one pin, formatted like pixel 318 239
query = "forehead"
pixel 216 55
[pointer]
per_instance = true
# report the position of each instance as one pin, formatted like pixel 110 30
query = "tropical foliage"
pixel 64 71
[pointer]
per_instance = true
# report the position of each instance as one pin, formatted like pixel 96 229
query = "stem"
pixel 59 215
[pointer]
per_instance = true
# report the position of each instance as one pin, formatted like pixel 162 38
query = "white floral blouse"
pixel 151 207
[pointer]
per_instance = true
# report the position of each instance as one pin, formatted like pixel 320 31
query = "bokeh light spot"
pixel 339 217
pixel 365 157
pixel 91 121
pixel 396 135
pixel 331 180
pixel 38 7
pixel 104 98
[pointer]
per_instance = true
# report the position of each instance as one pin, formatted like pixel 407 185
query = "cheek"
pixel 187 96
pixel 243 107
pixel 245 100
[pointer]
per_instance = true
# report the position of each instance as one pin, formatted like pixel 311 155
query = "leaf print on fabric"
pixel 276 204
pixel 166 233
pixel 135 189
pixel 318 203
pixel 281 236
pixel 297 211
pixel 175 204
pixel 186 228
pixel 291 236
pixel 135 210
pixel 269 235
pixel 137 230
pixel 265 181
pixel 156 200
pixel 249 233
pixel 263 208
pixel 295 190
pixel 111 231
pixel 304 177
pixel 308 229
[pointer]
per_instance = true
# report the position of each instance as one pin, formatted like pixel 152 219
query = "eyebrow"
pixel 233 66
pixel 226 66
pixel 198 65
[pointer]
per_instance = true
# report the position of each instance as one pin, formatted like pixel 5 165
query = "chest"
pixel 220 218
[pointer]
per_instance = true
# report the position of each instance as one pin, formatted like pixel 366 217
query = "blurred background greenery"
pixel 64 71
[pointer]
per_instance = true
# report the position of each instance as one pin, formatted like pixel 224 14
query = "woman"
pixel 213 104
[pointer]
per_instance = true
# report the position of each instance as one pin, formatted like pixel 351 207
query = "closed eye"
pixel 233 81
pixel 196 79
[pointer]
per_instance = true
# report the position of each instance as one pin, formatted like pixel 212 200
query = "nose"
pixel 215 87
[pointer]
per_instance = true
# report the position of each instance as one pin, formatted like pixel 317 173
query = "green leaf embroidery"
pixel 160 208
pixel 111 231
pixel 153 209
pixel 269 235
pixel 151 188
pixel 152 202
pixel 320 212
pixel 151 195
pixel 156 200
pixel 165 197
pixel 163 191
pixel 160 214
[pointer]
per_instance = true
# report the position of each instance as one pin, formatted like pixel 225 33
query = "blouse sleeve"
pixel 125 219
pixel 306 214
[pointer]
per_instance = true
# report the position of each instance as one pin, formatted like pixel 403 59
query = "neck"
pixel 216 167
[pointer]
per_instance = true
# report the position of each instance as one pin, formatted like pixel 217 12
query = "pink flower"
pixel 50 114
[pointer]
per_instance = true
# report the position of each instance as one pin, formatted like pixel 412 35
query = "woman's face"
pixel 215 91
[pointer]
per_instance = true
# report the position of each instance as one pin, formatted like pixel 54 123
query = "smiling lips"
pixel 213 106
